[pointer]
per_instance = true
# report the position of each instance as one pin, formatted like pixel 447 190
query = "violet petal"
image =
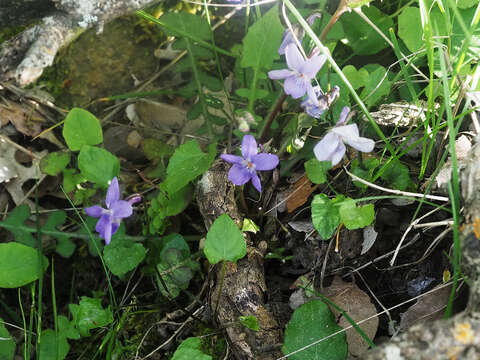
pixel 326 147
pixel 249 147
pixel 94 211
pixel 343 115
pixel 103 223
pixel 313 65
pixel 121 209
pixel 113 192
pixel 280 74
pixel 265 161
pixel 347 132
pixel 256 182
pixel 232 159
pixel 361 144
pixel 295 86
pixel 295 60
pixel 239 175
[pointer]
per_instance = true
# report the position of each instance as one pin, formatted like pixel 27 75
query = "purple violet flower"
pixel 116 210
pixel 245 167
pixel 332 147
pixel 323 103
pixel 298 77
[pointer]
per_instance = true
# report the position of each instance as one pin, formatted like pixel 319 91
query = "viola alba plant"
pixel 245 167
pixel 116 210
pixel 323 102
pixel 298 77
pixel 332 147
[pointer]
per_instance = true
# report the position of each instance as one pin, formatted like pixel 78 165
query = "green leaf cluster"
pixel 327 214
pixel 190 348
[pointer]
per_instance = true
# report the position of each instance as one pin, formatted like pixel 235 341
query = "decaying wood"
pixel 24 57
pixel 459 337
pixel 244 286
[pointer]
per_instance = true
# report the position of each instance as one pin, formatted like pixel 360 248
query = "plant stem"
pixel 220 289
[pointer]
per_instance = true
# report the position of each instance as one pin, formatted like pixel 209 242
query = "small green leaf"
pixel 98 165
pixel 356 217
pixel 156 149
pixel 189 349
pixel 224 241
pixel 325 215
pixel 410 27
pixel 81 128
pixel 188 162
pixel 189 24
pixel 309 323
pixel 121 256
pixel 317 170
pixel 249 225
pixel 364 170
pixel 53 347
pixel 249 322
pixel 55 162
pixel 89 315
pixel 7 345
pixel 260 45
pixel 18 265
pixel 65 246
pixel 357 78
pixel 397 175
pixel 362 38
pixel 67 328
pixel 377 86
pixel 15 224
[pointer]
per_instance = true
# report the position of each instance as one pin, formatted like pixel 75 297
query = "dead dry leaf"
pixel 357 304
pixel 302 189
pixel 25 119
pixel 429 307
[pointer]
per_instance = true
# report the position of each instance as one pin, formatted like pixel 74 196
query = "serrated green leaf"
pixel 98 165
pixel 121 256
pixel 317 170
pixel 19 265
pixel 249 322
pixel 7 344
pixel 260 45
pixel 90 314
pixel 175 265
pixel 362 38
pixel 188 162
pixel 309 323
pixel 53 347
pixel 224 241
pixel 55 162
pixel 189 349
pixel 325 215
pixel 356 217
pixel 81 128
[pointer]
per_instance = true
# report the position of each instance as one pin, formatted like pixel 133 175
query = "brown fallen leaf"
pixel 302 189
pixel 25 119
pixel 358 306
pixel 429 307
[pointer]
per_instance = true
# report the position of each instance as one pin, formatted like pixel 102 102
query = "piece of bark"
pixel 458 337
pixel 24 57
pixel 244 286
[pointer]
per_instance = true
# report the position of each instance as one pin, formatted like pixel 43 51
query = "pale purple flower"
pixel 332 147
pixel 289 38
pixel 323 101
pixel 298 77
pixel 245 167
pixel 116 210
